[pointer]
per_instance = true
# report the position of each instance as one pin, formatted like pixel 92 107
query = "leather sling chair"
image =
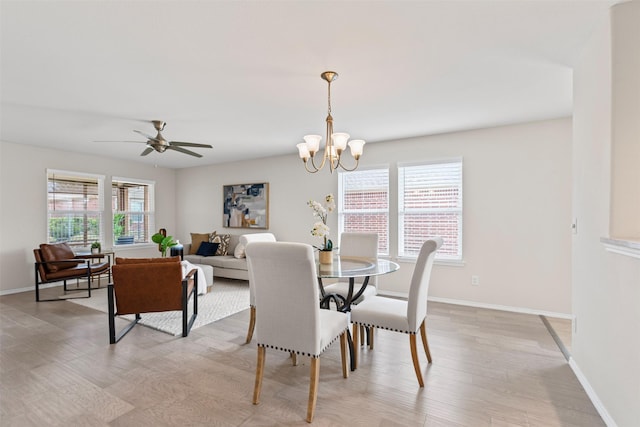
pixel 150 285
pixel 57 263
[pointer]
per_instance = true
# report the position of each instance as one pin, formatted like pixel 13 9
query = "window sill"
pixel 134 246
pixel 446 263
pixel 627 247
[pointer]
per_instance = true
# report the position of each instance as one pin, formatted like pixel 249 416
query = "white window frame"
pixel 458 257
pixel 149 213
pixel 99 211
pixel 342 212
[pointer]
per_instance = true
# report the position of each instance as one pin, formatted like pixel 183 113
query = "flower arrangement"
pixel 320 228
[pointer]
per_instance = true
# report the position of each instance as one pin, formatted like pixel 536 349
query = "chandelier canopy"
pixel 336 142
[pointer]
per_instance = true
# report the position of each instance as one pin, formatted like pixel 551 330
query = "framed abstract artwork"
pixel 246 205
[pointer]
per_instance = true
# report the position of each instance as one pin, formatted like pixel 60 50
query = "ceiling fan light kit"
pixel 336 142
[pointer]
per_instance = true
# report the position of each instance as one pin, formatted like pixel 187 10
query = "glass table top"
pixel 344 266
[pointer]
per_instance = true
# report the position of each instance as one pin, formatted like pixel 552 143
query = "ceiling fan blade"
pixel 153 138
pixel 138 142
pixel 182 150
pixel 189 144
pixel 147 151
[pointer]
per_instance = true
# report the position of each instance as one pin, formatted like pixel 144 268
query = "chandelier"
pixel 336 142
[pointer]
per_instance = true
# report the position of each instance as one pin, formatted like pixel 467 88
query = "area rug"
pixel 223 299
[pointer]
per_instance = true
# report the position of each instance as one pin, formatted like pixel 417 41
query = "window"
pixel 363 204
pixel 430 204
pixel 133 211
pixel 74 207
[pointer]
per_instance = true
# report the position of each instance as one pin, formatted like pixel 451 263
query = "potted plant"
pixel 96 248
pixel 320 228
pixel 164 242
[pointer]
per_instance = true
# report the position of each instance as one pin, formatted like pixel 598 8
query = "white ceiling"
pixel 245 76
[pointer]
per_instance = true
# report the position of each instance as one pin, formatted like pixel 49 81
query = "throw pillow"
pixel 207 249
pixel 196 239
pixel 239 251
pixel 223 240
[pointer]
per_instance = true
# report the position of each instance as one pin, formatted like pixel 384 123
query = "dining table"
pixel 351 268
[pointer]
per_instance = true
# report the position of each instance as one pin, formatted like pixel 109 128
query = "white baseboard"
pixel 606 417
pixel 32 288
pixel 18 290
pixel 485 305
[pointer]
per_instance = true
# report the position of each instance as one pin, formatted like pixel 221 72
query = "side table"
pixel 177 250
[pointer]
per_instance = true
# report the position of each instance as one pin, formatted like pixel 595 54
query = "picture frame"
pixel 246 205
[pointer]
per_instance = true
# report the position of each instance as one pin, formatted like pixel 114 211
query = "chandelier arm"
pixel 324 159
pixel 347 169
pixel 310 170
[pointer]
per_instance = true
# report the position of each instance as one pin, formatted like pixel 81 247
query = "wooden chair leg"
pixel 252 324
pixel 371 329
pixel 425 343
pixel 294 358
pixel 356 330
pixel 362 335
pixel 414 357
pixel 343 354
pixel 313 388
pixel 259 373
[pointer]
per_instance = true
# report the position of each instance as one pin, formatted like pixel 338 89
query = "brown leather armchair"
pixel 57 263
pixel 148 285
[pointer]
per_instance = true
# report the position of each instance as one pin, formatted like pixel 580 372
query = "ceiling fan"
pixel 159 144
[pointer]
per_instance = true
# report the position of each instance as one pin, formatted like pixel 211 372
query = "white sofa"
pixel 228 266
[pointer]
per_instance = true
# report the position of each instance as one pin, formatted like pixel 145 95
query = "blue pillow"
pixel 207 249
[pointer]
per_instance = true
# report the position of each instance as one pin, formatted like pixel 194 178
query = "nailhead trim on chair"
pixel 303 353
pixel 368 325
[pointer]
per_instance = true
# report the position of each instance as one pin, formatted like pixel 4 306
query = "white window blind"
pixel 363 204
pixel 74 208
pixel 133 211
pixel 430 204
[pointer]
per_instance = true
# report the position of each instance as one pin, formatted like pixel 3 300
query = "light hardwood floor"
pixel 490 368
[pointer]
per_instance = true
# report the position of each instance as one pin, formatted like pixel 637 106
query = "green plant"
pixel 118 224
pixel 163 242
pixel 95 245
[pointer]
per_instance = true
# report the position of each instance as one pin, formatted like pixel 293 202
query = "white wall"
pixel 23 213
pixel 516 200
pixel 606 286
pixel 517 209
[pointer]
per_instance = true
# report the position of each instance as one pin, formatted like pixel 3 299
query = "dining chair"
pixel 398 315
pixel 286 297
pixel 353 244
pixel 361 245
pixel 245 240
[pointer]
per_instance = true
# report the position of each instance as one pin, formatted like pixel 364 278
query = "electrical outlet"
pixel 475 280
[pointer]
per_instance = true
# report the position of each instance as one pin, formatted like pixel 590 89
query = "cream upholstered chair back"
pixel 246 240
pixel 360 245
pixel 286 295
pixel 419 289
